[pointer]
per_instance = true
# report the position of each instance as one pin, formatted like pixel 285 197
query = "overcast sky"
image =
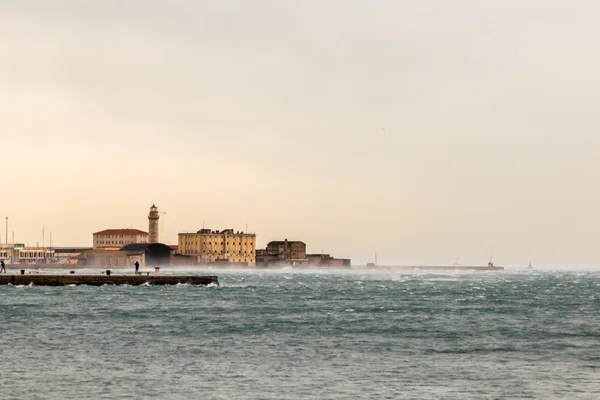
pixel 420 130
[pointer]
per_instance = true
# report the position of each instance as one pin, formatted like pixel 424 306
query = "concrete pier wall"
pixel 99 280
pixel 441 268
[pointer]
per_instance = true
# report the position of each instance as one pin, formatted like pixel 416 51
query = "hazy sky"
pixel 420 130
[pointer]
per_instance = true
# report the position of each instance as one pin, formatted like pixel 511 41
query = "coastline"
pixel 69 267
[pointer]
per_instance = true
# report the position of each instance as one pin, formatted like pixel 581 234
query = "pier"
pixel 444 268
pixel 106 279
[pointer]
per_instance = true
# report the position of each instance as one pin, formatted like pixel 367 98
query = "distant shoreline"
pixel 26 267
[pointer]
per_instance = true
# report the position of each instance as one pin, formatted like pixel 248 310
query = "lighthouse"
pixel 153 224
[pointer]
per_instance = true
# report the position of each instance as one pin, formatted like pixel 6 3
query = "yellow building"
pixel 214 246
pixel 114 239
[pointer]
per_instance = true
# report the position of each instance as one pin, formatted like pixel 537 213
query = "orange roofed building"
pixel 114 239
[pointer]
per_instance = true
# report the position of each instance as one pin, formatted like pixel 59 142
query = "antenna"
pixel 43 245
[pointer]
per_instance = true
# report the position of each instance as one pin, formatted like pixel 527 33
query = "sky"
pixel 428 132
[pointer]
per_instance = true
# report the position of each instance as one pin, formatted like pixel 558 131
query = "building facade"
pixel 219 246
pixel 146 254
pixel 287 249
pixel 114 239
pixel 326 260
pixel 282 252
pixel 18 253
pixel 68 255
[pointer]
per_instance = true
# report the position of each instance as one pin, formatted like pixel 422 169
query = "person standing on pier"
pixel 137 267
pixel 3 266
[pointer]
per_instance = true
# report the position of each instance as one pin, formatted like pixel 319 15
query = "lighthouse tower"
pixel 153 224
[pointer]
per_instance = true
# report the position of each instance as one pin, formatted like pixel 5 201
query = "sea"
pixel 308 334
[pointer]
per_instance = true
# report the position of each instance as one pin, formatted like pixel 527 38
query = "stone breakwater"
pixel 106 279
pixel 443 268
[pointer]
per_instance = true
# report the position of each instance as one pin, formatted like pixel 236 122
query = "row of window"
pixel 34 254
pixel 28 254
pixel 192 242
pixel 115 236
pixel 219 252
pixel 216 244
pixel 230 259
pixel 116 242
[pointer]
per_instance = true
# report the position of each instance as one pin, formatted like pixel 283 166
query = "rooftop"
pixel 121 232
pixel 282 242
pixel 206 231
pixel 146 246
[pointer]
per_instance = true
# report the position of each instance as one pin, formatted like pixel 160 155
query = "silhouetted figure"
pixel 2 266
pixel 137 267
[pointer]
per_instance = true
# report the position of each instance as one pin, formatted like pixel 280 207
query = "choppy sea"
pixel 308 334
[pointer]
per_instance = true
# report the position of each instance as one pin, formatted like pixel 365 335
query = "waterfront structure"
pixel 287 250
pixel 114 239
pixel 282 252
pixel 68 255
pixel 293 253
pixel 9 253
pixel 153 217
pixel 325 260
pixel 34 255
pixel 107 278
pixel 210 246
pixel 152 254
pixel 18 253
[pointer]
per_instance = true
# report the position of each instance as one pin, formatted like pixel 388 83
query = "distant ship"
pixel 530 267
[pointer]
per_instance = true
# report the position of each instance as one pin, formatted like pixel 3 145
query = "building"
pixel 18 253
pixel 34 255
pixel 68 255
pixel 293 253
pixel 114 239
pixel 282 252
pixel 213 246
pixel 150 254
pixel 288 250
pixel 325 260
pixel 9 252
